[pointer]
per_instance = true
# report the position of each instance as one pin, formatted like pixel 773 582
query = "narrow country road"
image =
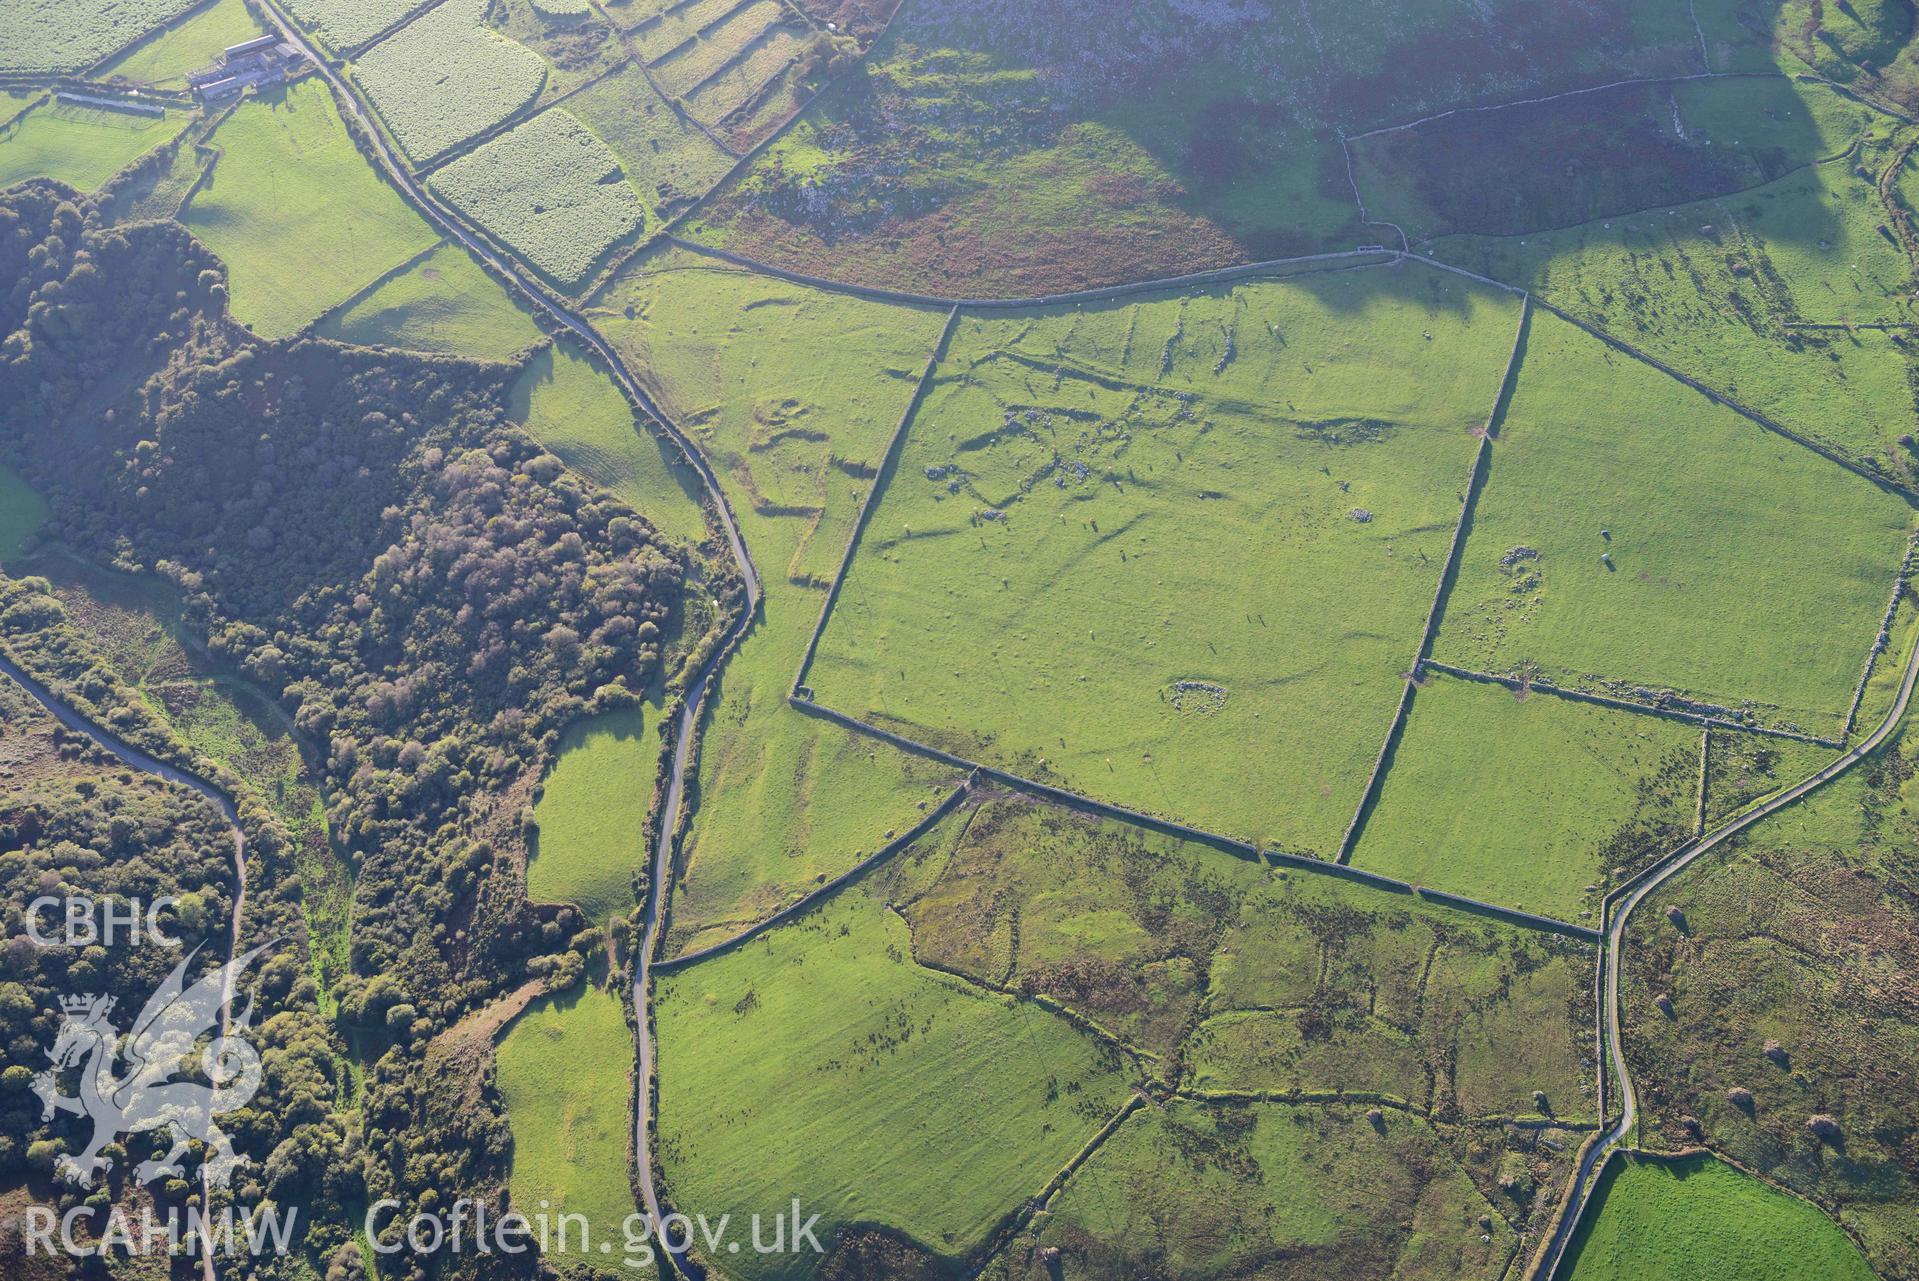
pixel 694 702
pixel 1613 958
pixel 146 764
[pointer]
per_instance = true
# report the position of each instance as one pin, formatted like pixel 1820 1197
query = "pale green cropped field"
pixel 1634 535
pixel 300 218
pixel 447 76
pixel 551 190
pixel 1125 544
pixel 72 35
pixel 1191 1191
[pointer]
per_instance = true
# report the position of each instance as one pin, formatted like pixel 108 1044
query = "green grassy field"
pixel 1731 291
pixel 300 218
pixel 574 408
pixel 669 160
pixel 1533 803
pixel 881 1091
pixel 1629 527
pixel 72 35
pixel 592 816
pixel 444 303
pixel 1653 1220
pixel 447 76
pixel 551 190
pixel 564 1073
pixel 1786 962
pixel 196 42
pixel 79 145
pixel 1122 543
pixel 1188 1191
pixel 22 511
pixel 792 393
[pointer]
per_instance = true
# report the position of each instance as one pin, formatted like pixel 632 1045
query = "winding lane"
pixel 693 706
pixel 1630 896
pixel 146 764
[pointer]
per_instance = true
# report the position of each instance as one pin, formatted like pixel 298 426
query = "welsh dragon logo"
pixel 146 1096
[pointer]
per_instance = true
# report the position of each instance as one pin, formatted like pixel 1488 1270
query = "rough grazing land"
pixel 1121 544
pixel 1664 1220
pixel 1255 1190
pixel 346 24
pixel 1735 292
pixel 1537 803
pixel 1532 168
pixel 446 77
pixel 669 159
pixel 550 189
pixel 288 174
pixel 983 152
pixel 1229 977
pixel 1787 967
pixel 1630 528
pixel 793 394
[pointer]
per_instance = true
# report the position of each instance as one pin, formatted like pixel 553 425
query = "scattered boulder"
pixel 1740 1097
pixel 1777 1053
pixel 1690 1124
pixel 1376 1119
pixel 1825 1128
pixel 1677 918
pixel 1539 1101
pixel 1664 1002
